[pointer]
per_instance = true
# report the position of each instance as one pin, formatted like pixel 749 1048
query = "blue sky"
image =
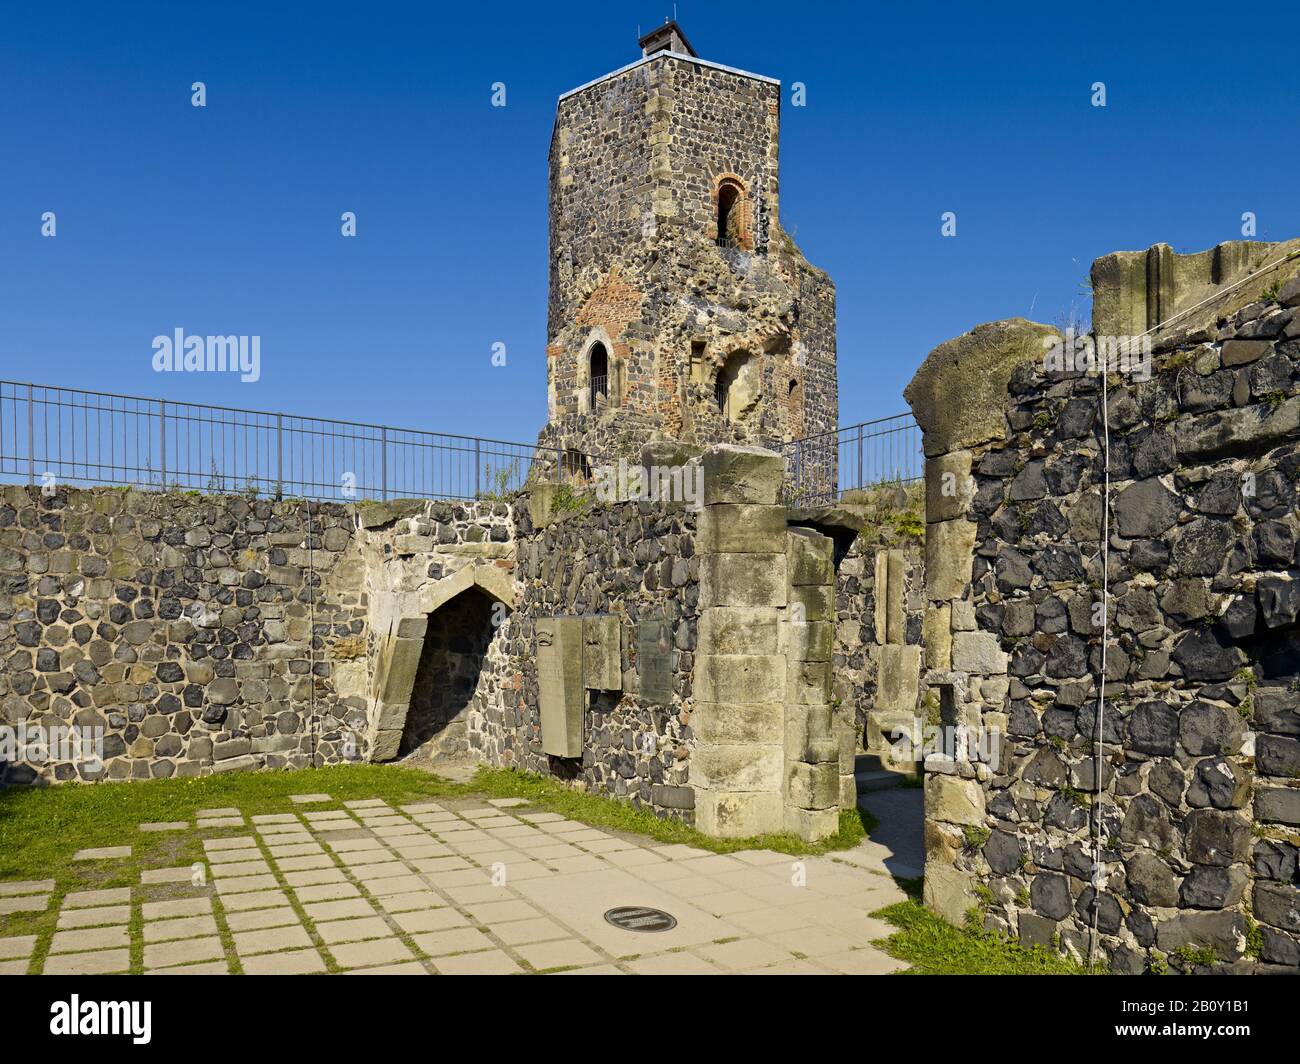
pixel 226 219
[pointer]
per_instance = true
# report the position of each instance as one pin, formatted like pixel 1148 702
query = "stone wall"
pixel 208 634
pixel 879 610
pixel 635 561
pixel 1185 854
pixel 420 558
pixel 201 633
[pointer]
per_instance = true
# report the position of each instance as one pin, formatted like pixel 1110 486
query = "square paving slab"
pixel 458 889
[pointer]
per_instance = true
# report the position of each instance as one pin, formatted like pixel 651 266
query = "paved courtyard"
pixel 458 887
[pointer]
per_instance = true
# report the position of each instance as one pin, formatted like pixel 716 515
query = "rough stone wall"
pixel 633 560
pixel 721 124
pixel 636 165
pixel 215 633
pixel 202 633
pixel 1198 816
pixel 448 676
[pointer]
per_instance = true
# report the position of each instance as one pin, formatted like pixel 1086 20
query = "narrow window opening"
pixel 598 366
pixel 728 215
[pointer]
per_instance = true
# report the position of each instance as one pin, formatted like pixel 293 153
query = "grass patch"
pixel 604 812
pixel 934 947
pixel 41 828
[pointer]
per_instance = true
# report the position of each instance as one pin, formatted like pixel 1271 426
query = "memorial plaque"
pixel 602 653
pixel 559 678
pixel 654 661
pixel 640 918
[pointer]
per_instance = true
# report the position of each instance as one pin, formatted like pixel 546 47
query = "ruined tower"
pixel 678 307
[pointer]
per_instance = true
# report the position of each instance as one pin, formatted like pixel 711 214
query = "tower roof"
pixel 664 42
pixel 666 38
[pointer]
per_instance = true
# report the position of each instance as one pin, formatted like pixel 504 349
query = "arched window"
pixel 598 376
pixel 729 214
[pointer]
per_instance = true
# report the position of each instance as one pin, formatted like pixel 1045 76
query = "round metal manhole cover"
pixel 639 918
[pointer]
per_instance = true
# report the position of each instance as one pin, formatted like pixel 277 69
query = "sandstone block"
pixel 740 678
pixel 949 486
pixel 748 767
pixel 811 557
pixel 731 528
pixel 743 580
pixel 978 652
pixel 949 554
pixel 738 814
pixel 739 722
pixel 813 786
pixel 739 630
pixel 959 393
pixel 742 475
pixel 953 800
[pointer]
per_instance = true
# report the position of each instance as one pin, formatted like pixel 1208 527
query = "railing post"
pixel 383 436
pixel 279 455
pixel 162 444
pixel 862 473
pixel 478 470
pixel 31 437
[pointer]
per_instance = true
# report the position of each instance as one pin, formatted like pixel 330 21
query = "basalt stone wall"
pixel 636 561
pixel 1198 809
pixel 201 633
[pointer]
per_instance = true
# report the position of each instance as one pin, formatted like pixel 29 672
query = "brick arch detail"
pixel 744 205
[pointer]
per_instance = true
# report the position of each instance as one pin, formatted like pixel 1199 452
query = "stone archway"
pixel 447 678
pixel 405 620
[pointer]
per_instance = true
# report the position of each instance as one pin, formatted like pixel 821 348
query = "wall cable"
pixel 1098 733
pixel 311 636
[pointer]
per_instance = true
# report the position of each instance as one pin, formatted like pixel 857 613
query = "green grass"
pixel 41 828
pixel 934 947
pixel 622 816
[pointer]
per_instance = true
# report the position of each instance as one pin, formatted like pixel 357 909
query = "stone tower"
pixel 678 307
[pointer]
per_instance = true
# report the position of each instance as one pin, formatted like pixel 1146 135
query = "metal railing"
pixel 820 469
pixel 53 435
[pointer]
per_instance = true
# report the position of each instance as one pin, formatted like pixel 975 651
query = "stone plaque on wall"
pixel 654 661
pixel 559 677
pixel 602 653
